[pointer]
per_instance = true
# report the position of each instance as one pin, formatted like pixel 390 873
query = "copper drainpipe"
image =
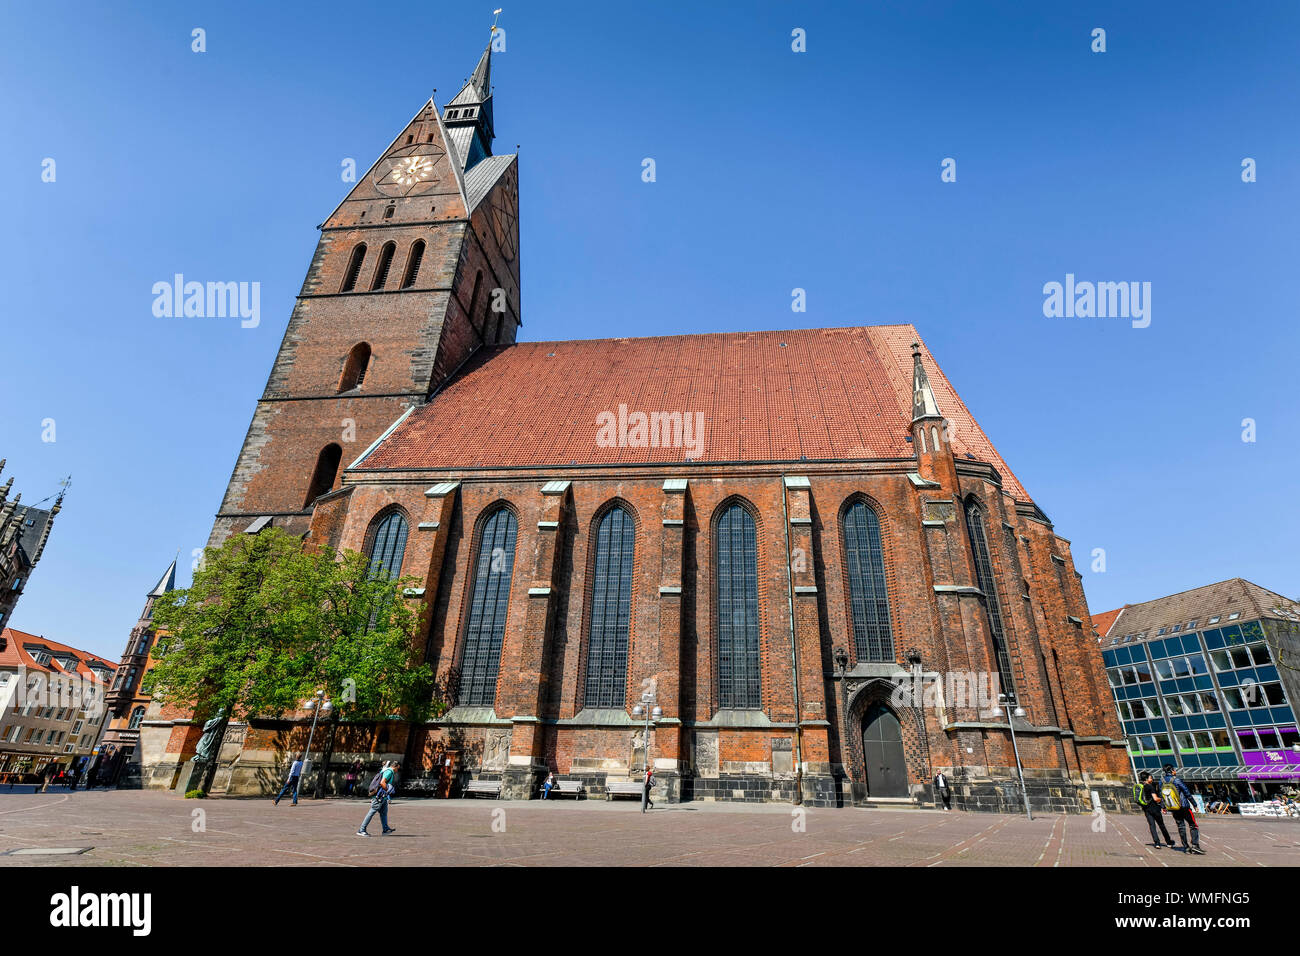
pixel 794 654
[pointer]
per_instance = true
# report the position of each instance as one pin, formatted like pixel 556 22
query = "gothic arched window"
pixel 354 367
pixel 387 545
pixel 354 267
pixel 413 260
pixel 736 563
pixel 385 263
pixel 611 604
pixel 327 469
pixel 486 627
pixel 979 546
pixel 868 600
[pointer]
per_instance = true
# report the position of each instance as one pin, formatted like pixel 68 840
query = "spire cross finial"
pixel 496 15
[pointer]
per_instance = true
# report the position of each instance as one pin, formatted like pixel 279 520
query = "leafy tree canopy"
pixel 266 623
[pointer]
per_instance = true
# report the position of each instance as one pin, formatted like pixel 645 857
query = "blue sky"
pixel 775 170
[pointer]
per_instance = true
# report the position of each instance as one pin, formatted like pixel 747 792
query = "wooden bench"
pixel 490 787
pixel 623 788
pixel 566 788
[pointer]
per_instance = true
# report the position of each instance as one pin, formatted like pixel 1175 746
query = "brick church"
pixel 798 548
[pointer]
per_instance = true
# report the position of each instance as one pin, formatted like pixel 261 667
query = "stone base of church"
pixel 1054 793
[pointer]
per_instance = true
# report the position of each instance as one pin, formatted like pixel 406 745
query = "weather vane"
pixel 495 15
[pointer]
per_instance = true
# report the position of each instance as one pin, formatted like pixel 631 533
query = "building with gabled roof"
pixel 1209 679
pixel 23 533
pixel 129 696
pixel 797 550
pixel 51 702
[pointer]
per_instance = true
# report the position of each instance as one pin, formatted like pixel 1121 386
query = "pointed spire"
pixel 468 115
pixel 165 583
pixel 479 86
pixel 923 403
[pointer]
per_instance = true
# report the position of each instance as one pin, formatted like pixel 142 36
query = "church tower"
pixel 415 270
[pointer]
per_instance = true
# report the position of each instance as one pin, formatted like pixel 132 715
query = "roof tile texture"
pixel 818 394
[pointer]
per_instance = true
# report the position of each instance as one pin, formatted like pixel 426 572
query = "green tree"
pixel 267 623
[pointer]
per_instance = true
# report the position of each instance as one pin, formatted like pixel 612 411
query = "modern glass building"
pixel 1208 680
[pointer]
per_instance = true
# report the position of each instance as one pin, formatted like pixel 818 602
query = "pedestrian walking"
pixel 942 789
pixel 646 802
pixel 291 785
pixel 1147 794
pixel 1178 800
pixel 381 793
pixel 547 784
pixel 351 776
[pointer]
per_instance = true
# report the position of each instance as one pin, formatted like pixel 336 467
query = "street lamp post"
pixel 842 662
pixel 318 705
pixel 1005 706
pixel 652 713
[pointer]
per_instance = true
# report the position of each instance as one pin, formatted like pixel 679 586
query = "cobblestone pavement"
pixel 156 829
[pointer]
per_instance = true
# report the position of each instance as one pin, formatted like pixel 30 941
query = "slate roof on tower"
pixel 838 394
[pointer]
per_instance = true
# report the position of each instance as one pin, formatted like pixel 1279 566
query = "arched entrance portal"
pixel 882 753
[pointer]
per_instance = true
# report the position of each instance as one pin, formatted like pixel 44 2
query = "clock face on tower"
pixel 407 171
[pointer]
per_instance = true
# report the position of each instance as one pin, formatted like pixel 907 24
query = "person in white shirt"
pixel 942 789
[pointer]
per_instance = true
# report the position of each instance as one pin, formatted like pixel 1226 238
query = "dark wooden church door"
pixel 882 753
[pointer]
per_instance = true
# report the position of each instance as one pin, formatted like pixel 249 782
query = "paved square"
pixel 155 829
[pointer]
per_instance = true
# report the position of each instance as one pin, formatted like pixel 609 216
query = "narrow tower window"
pixel 611 601
pixel 327 469
pixel 413 260
pixel 354 368
pixel 354 267
pixel 385 263
pixel 486 627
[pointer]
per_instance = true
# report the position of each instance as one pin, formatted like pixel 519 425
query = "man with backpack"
pixel 381 791
pixel 1147 793
pixel 1178 800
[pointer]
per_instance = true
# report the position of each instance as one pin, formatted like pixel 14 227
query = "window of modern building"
pixel 868 598
pixel 736 580
pixel 611 604
pixel 489 601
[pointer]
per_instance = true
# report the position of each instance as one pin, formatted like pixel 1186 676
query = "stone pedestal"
pixel 522 781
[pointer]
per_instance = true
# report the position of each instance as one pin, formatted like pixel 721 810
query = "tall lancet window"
pixel 388 545
pixel 489 600
pixel 611 603
pixel 979 546
pixel 736 561
pixel 868 600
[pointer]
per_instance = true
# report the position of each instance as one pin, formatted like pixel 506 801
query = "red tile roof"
pixel 1102 622
pixel 828 394
pixel 15 655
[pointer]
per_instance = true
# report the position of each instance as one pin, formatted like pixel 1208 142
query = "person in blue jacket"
pixel 1182 814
